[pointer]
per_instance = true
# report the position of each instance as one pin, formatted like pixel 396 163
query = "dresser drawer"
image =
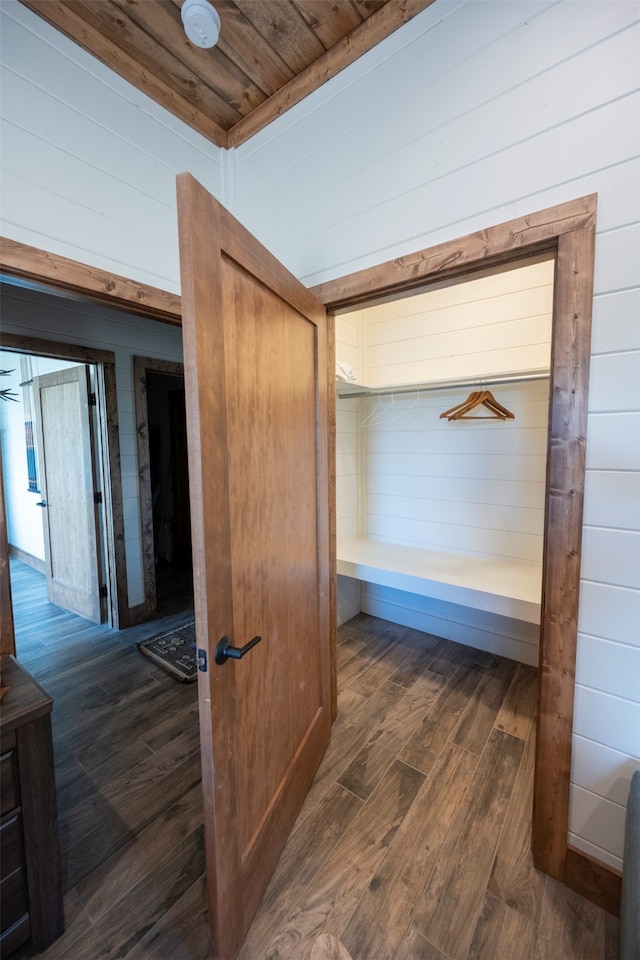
pixel 9 793
pixel 11 844
pixel 13 894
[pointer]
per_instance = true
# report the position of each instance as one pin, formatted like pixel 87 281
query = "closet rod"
pixel 444 384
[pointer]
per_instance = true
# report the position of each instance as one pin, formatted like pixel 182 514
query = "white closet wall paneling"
pixel 452 538
pixel 476 628
pixel 347 417
pixel 347 341
pixel 612 499
pixel 346 507
pixel 601 770
pixel 460 437
pixel 608 720
pixel 615 324
pixel 470 490
pixel 346 463
pixel 434 327
pixel 608 666
pixel 463 465
pixel 477 365
pixel 347 471
pixel 527 331
pixel 597 820
pixel 347 486
pixel 612 441
pixel 348 599
pixel 611 612
pixel 457 513
pixel 611 556
pixel 520 292
pixel 617 256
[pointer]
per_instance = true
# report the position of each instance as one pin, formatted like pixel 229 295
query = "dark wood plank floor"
pixel 413 843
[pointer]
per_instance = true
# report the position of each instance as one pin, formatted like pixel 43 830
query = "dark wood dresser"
pixel 31 888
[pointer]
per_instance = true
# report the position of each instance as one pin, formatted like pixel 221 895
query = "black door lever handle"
pixel 41 503
pixel 225 649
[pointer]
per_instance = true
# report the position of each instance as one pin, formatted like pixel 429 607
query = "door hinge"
pixel 104 591
pixel 97 497
pixel 92 399
pixel 202 660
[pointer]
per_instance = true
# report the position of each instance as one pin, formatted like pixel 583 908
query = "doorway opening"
pixel 56 479
pixel 161 429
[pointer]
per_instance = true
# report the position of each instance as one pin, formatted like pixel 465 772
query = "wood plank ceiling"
pixel 270 54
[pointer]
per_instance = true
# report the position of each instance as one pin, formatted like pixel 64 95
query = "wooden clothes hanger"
pixel 478 398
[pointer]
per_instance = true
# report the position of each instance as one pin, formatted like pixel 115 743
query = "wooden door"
pixel 256 390
pixel 66 469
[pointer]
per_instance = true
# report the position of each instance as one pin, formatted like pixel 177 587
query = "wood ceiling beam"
pixel 73 26
pixel 363 38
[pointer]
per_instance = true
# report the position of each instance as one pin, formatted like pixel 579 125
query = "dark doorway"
pixel 169 479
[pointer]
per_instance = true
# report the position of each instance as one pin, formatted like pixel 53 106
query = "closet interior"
pixel 442 420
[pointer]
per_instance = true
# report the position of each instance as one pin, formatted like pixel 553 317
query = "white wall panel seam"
pixel 109 79
pixel 607 640
pixel 613 696
pixel 598 796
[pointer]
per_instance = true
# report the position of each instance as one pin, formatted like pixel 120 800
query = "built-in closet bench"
pixel 510 588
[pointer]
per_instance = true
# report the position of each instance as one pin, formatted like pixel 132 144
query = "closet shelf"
pixel 355 390
pixel 508 587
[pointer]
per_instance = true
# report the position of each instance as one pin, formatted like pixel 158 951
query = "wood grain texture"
pixel 355 864
pixel 514 880
pixel 269 56
pixel 569 230
pixel 600 883
pixel 449 909
pixel 258 444
pixel 327 65
pixel 49 269
pixel 573 302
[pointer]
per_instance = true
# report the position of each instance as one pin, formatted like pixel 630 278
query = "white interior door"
pixel 66 470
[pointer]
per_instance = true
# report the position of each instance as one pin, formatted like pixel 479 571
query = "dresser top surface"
pixel 25 700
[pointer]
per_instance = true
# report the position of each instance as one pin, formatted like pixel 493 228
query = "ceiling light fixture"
pixel 201 22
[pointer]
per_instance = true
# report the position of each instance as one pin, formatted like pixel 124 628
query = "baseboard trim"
pixel 27 558
pixel 596 881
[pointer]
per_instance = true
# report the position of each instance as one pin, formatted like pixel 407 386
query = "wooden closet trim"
pixel 567 230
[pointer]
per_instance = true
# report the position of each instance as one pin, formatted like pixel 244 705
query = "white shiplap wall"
pixel 469 487
pixel 88 162
pixel 469 115
pixel 472 114
pixel 48 317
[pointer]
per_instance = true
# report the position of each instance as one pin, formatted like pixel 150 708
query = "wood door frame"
pixel 113 514
pixel 142 366
pixel 568 232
